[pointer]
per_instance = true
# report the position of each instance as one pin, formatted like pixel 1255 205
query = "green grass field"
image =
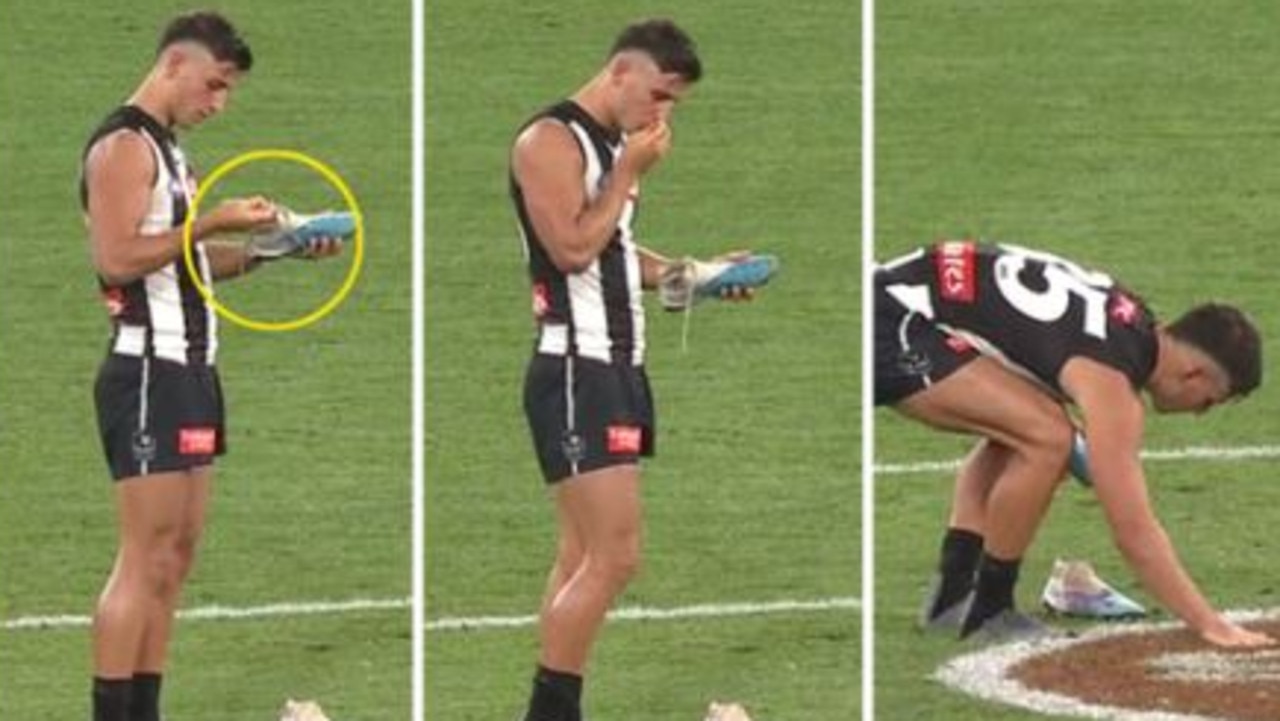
pixel 1136 137
pixel 754 496
pixel 313 503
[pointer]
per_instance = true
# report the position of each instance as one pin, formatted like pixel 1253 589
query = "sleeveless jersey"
pixel 161 314
pixel 1032 309
pixel 598 312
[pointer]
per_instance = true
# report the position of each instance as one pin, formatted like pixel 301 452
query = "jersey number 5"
pixel 1062 280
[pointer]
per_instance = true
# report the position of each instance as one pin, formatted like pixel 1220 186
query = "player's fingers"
pixel 733 256
pixel 737 293
pixel 260 203
pixel 324 247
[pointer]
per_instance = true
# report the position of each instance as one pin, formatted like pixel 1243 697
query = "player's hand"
pixel 735 292
pixel 322 247
pixel 1229 635
pixel 243 214
pixel 645 147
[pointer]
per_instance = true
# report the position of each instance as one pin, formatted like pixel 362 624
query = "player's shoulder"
pixel 544 133
pixel 123 150
pixel 545 140
pixel 119 145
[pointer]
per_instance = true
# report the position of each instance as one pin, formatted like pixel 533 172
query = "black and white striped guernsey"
pixel 162 314
pixel 596 313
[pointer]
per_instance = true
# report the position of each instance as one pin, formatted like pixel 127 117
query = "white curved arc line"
pixel 983 674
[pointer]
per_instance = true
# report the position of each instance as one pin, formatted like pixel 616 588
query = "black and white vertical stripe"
pixel 598 312
pixel 163 313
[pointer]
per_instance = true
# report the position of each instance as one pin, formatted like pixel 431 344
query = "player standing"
pixel 575 172
pixel 158 398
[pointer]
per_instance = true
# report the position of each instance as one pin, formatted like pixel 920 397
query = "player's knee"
pixel 184 550
pixel 569 554
pixel 167 561
pixel 1049 444
pixel 161 570
pixel 622 563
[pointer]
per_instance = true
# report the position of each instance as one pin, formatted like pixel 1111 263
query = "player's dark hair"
pixel 1227 336
pixel 669 46
pixel 214 32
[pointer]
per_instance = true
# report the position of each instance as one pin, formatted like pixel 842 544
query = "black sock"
pixel 993 592
pixel 111 698
pixel 957 564
pixel 146 697
pixel 556 696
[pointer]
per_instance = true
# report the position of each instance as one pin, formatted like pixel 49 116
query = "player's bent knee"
pixel 1049 444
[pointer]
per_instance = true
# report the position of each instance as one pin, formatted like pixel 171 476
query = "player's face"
pixel 1196 391
pixel 204 85
pixel 646 94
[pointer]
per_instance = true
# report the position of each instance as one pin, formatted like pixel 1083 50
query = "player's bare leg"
pixel 602 509
pixel 133 619
pixel 961 550
pixel 1030 437
pixel 153 658
pixel 605 505
pixel 569 554
pixel 974 481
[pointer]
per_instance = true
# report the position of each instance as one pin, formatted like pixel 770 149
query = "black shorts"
pixel 156 415
pixel 586 415
pixel 911 352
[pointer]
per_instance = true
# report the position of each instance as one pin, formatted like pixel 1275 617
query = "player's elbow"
pixel 571 257
pixel 113 276
pixel 113 270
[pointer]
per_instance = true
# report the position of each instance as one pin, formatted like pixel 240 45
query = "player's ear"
pixel 619 65
pixel 1198 373
pixel 171 59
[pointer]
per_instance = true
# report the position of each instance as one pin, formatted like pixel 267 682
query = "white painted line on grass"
pixel 985 673
pixel 1226 454
pixel 643 613
pixel 359 605
pixel 226 613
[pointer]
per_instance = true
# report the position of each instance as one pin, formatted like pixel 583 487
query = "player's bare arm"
pixel 548 166
pixel 1114 417
pixel 230 259
pixel 119 173
pixel 652 264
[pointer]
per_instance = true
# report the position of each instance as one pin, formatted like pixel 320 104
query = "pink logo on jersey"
pixel 623 439
pixel 1124 309
pixel 197 441
pixel 959 344
pixel 957 276
pixel 541 300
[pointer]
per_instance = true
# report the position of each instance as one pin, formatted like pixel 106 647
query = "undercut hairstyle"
pixel 669 46
pixel 1226 335
pixel 214 32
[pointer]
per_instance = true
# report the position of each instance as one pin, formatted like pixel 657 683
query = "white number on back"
pixel 1063 279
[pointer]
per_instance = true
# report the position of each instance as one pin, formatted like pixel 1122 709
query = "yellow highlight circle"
pixel 329 175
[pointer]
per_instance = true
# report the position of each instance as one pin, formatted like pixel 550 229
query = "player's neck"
pixel 150 97
pixel 1170 358
pixel 594 98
